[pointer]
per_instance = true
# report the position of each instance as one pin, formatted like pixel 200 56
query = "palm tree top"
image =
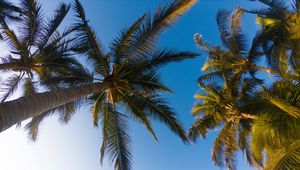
pixel 130 69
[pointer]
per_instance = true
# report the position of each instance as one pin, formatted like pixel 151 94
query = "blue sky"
pixel 75 146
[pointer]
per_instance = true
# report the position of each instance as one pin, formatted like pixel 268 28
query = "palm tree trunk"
pixel 15 111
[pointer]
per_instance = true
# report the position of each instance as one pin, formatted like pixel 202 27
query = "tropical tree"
pixel 40 56
pixel 279 35
pixel 261 120
pixel 235 56
pixel 223 106
pixel 124 78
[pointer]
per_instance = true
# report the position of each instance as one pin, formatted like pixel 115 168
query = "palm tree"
pixel 223 106
pixel 124 78
pixel 279 35
pixel 40 56
pixel 235 58
pixel 263 122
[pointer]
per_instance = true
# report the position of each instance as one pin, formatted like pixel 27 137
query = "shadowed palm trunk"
pixel 15 111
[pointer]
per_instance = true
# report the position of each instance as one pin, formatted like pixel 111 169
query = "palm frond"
pixel 8 63
pixel 272 131
pixel 8 11
pixel 288 108
pixel 201 126
pixel 10 86
pixel 116 141
pixel 29 87
pixel 33 126
pixel 231 31
pixel 32 21
pixel 149 82
pixel 164 17
pixel 139 113
pixel 285 158
pixel 87 42
pixel 97 101
pixel 121 45
pixel 157 59
pixel 14 43
pixel 158 109
pixel 51 26
pixel 225 146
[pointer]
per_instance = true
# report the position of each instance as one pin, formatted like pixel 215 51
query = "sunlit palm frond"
pixel 286 158
pixel 164 17
pixel 201 126
pixel 98 100
pixel 285 96
pixel 272 131
pixel 225 147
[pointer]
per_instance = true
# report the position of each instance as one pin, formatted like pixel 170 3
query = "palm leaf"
pixel 32 21
pixel 164 17
pixel 33 126
pixel 116 141
pixel 225 146
pixel 29 87
pixel 10 86
pixel 158 109
pixel 286 158
pixel 139 113
pixel 87 42
pixel 121 45
pixel 201 126
pixel 51 26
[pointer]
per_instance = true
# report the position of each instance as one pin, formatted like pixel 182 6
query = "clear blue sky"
pixel 76 146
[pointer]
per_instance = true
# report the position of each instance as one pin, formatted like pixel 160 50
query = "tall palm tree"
pixel 223 107
pixel 263 122
pixel 124 78
pixel 279 35
pixel 40 56
pixel 235 57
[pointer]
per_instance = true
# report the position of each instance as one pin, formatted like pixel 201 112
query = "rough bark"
pixel 15 111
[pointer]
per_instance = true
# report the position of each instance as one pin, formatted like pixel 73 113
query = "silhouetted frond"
pixel 9 86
